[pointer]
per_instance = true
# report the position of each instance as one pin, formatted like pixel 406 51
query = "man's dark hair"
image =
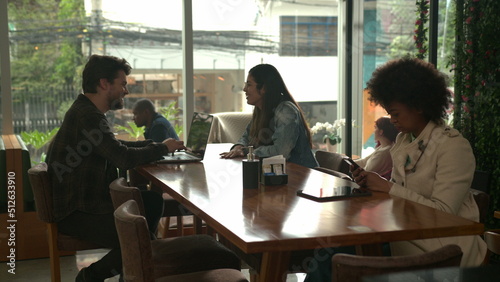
pixel 102 67
pixel 414 83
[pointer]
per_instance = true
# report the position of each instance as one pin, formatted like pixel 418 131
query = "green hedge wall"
pixel 477 88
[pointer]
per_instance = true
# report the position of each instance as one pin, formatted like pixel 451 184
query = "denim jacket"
pixel 287 137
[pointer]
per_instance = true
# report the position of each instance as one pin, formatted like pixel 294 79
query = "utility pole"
pixel 95 29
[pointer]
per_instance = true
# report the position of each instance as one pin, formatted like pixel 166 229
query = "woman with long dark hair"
pixel 278 126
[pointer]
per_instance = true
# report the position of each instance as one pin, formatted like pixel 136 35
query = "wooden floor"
pixel 37 270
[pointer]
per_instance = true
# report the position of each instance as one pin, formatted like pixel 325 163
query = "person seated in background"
pixel 433 164
pixel 158 128
pixel 278 126
pixel 380 160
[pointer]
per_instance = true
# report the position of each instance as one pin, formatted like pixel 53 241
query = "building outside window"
pixel 308 36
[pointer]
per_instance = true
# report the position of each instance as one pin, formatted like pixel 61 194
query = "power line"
pixel 112 32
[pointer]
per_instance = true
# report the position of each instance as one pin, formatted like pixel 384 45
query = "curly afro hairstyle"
pixel 414 83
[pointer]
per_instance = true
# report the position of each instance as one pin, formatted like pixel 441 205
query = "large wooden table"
pixel 272 221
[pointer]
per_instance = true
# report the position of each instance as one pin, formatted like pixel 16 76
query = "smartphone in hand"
pixel 351 162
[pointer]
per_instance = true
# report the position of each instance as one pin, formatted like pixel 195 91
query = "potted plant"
pixel 330 132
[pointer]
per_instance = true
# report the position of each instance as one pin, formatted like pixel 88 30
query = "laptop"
pixel 196 142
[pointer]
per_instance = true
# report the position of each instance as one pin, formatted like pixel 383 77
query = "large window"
pixel 238 35
pixel 388 31
pixel 229 38
pixel 49 44
pixel 298 37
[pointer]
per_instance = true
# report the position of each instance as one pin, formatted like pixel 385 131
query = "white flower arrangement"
pixel 330 131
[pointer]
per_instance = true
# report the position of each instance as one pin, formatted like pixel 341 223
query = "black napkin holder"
pixel 281 179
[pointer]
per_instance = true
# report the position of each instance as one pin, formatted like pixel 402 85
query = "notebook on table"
pixel 196 142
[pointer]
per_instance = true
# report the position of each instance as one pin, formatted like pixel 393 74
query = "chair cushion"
pixel 191 254
pixel 70 243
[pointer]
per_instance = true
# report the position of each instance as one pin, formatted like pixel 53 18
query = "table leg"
pixel 136 179
pixel 211 231
pixel 369 250
pixel 197 225
pixel 274 266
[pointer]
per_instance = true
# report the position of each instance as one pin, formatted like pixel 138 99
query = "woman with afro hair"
pixel 432 163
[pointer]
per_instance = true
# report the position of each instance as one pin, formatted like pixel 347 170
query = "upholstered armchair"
pixel 171 260
pixel 173 255
pixel 352 268
pixel 228 127
pixel 59 244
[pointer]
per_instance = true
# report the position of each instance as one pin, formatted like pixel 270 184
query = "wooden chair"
pixel 333 161
pixel 352 268
pixel 481 181
pixel 58 242
pixel 176 255
pixel 483 203
pixel 146 260
pixel 492 238
pixel 479 189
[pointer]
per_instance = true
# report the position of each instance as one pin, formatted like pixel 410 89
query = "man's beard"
pixel 116 104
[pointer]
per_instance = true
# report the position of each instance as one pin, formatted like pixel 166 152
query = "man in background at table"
pixel 83 159
pixel 158 128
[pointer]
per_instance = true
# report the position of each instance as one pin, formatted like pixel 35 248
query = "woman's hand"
pixel 371 180
pixel 236 152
